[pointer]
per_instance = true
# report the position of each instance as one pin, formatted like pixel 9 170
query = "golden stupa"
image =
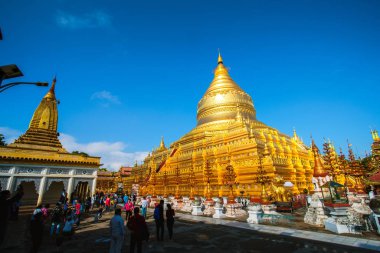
pixel 227 134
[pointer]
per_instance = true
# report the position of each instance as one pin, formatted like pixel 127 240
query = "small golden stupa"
pixel 227 134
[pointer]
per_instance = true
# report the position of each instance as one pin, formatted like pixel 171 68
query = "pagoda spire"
pixel 295 136
pixel 162 145
pixel 220 59
pixel 375 135
pixel 51 92
pixel 42 132
pixel 319 170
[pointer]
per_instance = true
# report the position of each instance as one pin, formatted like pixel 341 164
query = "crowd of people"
pixel 64 218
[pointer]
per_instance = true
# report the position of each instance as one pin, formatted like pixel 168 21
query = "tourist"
pixel 56 219
pixel 125 198
pixel 149 199
pixel 5 204
pixel 144 205
pixel 108 204
pixel 117 232
pixel 159 220
pixel 93 201
pixel 88 205
pixel 63 196
pixel 101 201
pixel 78 212
pixel 36 229
pixel 98 214
pixel 170 220
pixel 15 206
pixel 45 212
pixel 134 198
pixel 128 209
pixel 68 229
pixel 65 208
pixel 139 230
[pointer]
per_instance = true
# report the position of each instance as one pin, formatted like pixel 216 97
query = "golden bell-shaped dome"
pixel 224 99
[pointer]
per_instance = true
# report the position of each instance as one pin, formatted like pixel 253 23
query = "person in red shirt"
pixel 139 230
pixel 128 209
pixel 78 212
pixel 108 203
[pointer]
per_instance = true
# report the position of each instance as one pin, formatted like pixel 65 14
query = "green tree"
pixel 79 153
pixel 2 140
pixel 103 169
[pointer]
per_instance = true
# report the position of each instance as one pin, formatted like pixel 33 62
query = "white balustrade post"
pixel 41 191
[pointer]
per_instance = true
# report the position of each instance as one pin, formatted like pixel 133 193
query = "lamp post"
pixel 191 182
pixel 262 179
pixel 177 181
pixel 229 179
pixel 12 71
pixel 208 174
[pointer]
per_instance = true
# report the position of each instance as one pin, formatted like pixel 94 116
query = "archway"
pixel 30 194
pixel 81 192
pixel 53 193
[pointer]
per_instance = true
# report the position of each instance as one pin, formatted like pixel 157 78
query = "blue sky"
pixel 130 72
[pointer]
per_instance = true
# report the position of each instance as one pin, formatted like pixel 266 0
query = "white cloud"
pixel 112 155
pixel 89 20
pixel 10 134
pixel 105 97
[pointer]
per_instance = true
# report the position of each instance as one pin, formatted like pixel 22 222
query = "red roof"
pixel 375 177
pixel 125 170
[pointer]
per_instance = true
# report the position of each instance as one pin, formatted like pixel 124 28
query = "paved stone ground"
pixel 191 234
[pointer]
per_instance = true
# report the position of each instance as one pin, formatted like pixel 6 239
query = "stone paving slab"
pixel 309 235
pixel 194 234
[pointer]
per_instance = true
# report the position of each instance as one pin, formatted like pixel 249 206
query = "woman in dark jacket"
pixel 170 220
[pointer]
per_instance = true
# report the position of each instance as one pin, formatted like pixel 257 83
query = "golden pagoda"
pixel 38 161
pixel 228 135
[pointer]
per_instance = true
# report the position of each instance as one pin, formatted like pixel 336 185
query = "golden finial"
pixel 375 135
pixel 51 92
pixel 220 59
pixel 162 144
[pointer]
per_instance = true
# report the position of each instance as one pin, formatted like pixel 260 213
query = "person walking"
pixel 128 209
pixel 159 220
pixel 108 204
pixel 144 205
pixel 117 232
pixel 5 204
pixel 56 219
pixel 139 230
pixel 78 212
pixel 125 198
pixel 68 229
pixel 170 220
pixel 36 229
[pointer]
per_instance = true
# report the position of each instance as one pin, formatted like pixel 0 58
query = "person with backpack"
pixel 139 230
pixel 56 219
pixel 68 229
pixel 170 220
pixel 159 220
